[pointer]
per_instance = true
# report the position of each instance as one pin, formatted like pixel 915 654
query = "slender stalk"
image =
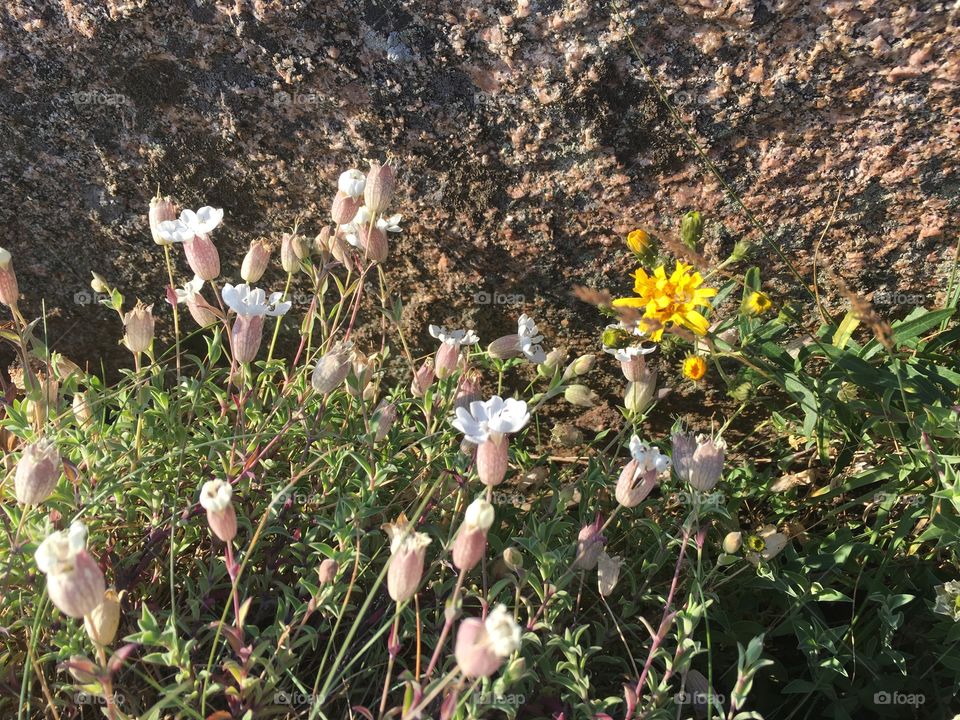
pixel 176 311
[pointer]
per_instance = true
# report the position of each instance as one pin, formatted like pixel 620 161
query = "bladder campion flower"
pixel 757 303
pixel 669 301
pixel 450 343
pixel 694 367
pixel 698 461
pixel 215 498
pixel 486 424
pixel 138 327
pixel 483 645
pixel 251 305
pixel 527 341
pixel 75 583
pixel 37 472
pixel 200 309
pixel 471 539
pixel 407 550
pixel 639 476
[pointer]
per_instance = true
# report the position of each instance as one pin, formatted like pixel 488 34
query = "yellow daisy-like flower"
pixel 757 303
pixel 669 300
pixel 694 367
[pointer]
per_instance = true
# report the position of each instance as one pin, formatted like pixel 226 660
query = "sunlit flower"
pixel 608 573
pixel 757 303
pixel 530 339
pixel 190 224
pixel 75 583
pixel 948 600
pixel 215 498
pixel 639 475
pixel 471 539
pixel 491 418
pixel 351 182
pixel 37 472
pixel 138 325
pixel 765 545
pixel 669 301
pixel 244 300
pixel 483 645
pixel 694 367
pixel 453 337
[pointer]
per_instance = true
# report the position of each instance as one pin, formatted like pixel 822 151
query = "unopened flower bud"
pixel 580 395
pixel 162 209
pixel 289 255
pixel 373 242
pixel 203 258
pixel 245 337
pixel 513 558
pixel 328 571
pixel 37 472
pixel 407 551
pixel 553 360
pixel 468 391
pixel 639 394
pixel 581 366
pixel 422 379
pixel 589 546
pixel 471 540
pixel 691 229
pixel 102 622
pixel 492 459
pixel 448 355
pixel 638 241
pixel 99 283
pixel 321 242
pixel 255 262
pixel 332 368
pixel 215 497
pixel 608 573
pixel 138 327
pixel 379 188
pixel 9 290
pixel 506 347
pixel 634 484
pixel 732 542
pixel 81 409
pixel 383 418
pixel 344 208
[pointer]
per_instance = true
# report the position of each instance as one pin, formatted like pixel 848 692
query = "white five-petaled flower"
pixel 215 495
pixel 244 300
pixel 190 290
pixel 190 224
pixel 530 339
pixel 647 457
pixel 351 182
pixel 390 224
pixel 453 337
pixel 503 633
pixel 493 417
pixel 631 352
pixel 56 554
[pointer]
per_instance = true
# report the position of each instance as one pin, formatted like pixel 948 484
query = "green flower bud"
pixel 691 229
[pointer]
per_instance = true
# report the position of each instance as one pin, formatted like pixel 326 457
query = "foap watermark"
pixel 898 698
pixel 897 298
pixel 490 698
pixel 85 698
pixel 294 698
pixel 286 99
pixel 297 498
pixel 89 297
pixel 687 697
pixel 483 297
pixel 507 498
pixel 882 498
pixel 706 499
pixel 91 97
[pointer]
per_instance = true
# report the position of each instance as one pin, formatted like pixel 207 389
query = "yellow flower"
pixel 757 303
pixel 669 300
pixel 638 241
pixel 694 367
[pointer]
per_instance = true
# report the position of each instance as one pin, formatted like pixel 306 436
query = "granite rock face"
pixel 528 139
